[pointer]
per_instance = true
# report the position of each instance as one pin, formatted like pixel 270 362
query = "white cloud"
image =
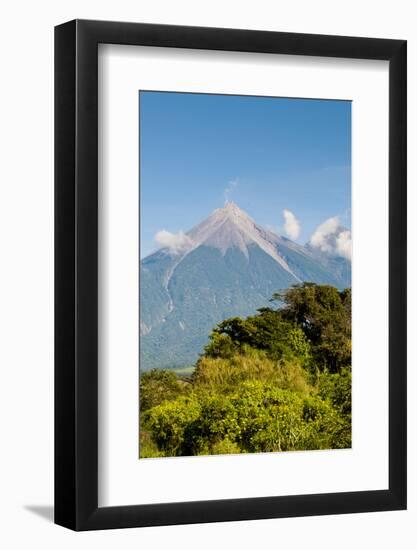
pixel 344 244
pixel 291 225
pixel 229 188
pixel 332 238
pixel 175 242
pixel 320 238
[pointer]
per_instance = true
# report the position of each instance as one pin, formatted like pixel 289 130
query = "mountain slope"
pixel 226 266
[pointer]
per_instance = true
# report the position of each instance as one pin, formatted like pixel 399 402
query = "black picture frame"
pixel 76 272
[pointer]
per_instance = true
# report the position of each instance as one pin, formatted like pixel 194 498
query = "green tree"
pixel 324 315
pixel 267 331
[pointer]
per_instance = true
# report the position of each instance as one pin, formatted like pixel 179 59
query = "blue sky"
pixel 280 153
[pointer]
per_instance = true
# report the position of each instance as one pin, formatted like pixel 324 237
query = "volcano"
pixel 226 266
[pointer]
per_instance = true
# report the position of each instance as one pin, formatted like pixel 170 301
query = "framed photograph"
pixel 230 253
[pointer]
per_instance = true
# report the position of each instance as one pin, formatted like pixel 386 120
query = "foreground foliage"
pixel 276 381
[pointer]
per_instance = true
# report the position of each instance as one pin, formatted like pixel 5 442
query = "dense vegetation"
pixel 279 380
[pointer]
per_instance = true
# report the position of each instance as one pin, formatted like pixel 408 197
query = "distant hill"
pixel 226 266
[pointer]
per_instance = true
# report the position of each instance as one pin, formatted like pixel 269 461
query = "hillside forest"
pixel 278 380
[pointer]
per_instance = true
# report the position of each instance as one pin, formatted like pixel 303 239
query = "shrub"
pixel 147 446
pixel 157 386
pixel 169 423
pixel 257 417
pixel 281 420
pixel 337 388
pixel 225 447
